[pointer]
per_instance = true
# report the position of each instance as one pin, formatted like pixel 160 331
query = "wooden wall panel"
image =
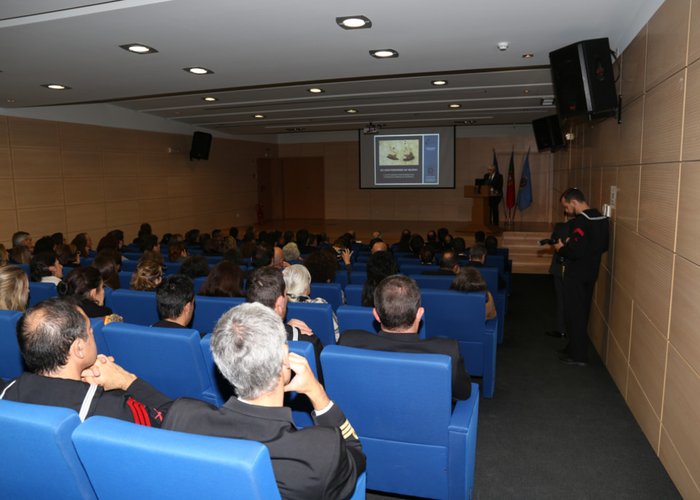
pixel 676 468
pixel 33 133
pixel 87 217
pixel 643 412
pixel 633 70
pixel 691 121
pixel 694 38
pixel 626 212
pixel 616 362
pixel 667 33
pixel 42 221
pixel 81 164
pixel 80 190
pixel 621 318
pixel 4 133
pixel 658 203
pixel 7 200
pixel 5 163
pixel 663 114
pixel 685 316
pixel 688 214
pixel 648 358
pixel 35 163
pixel 38 192
pixel 631 132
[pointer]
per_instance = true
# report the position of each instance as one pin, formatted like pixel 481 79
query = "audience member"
pixel 449 265
pixel 20 255
pixel 192 237
pixel 278 260
pixel 379 266
pixel 46 268
pixel 85 284
pixel 477 258
pixel 291 252
pixel 398 310
pixel 249 348
pixel 14 289
pixel 262 256
pixel 416 244
pixel 22 239
pixel 147 276
pixel 322 265
pixel 108 263
pixel 297 280
pixel 177 251
pixel 378 245
pixel 427 255
pixel 224 280
pixel 57 343
pixel 175 302
pixel 479 238
pixel 44 244
pixel 82 243
pixel 460 247
pixel 68 255
pixel 404 242
pixel 195 266
pixel 491 244
pixel 469 279
pixel 148 242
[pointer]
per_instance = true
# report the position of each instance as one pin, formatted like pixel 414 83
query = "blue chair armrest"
pixel 462 449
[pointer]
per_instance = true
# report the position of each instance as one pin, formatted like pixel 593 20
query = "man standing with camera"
pixel 581 251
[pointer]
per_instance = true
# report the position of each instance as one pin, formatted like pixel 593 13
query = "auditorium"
pixel 170 144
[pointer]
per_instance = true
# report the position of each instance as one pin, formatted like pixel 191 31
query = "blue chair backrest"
pixel 11 363
pixel 125 279
pixel 358 277
pixel 97 326
pixel 38 292
pixel 172 268
pixel 129 266
pixel 305 349
pixel 319 317
pixel 331 292
pixel 196 466
pixel 25 268
pixel 135 307
pixel 132 253
pixel 208 310
pixel 439 282
pixel 198 282
pixel 37 454
pixel 490 275
pixel 353 295
pixel 170 359
pixel 416 268
pixel 222 388
pixel 497 261
pixel 362 318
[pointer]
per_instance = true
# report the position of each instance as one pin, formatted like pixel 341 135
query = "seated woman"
pixel 379 266
pixel 148 275
pixel 83 243
pixel 470 279
pixel 68 255
pixel 46 268
pixel 108 262
pixel 224 280
pixel 297 281
pixel 85 284
pixel 14 289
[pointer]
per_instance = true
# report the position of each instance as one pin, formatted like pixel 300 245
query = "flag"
pixel 525 189
pixel 495 161
pixel 510 192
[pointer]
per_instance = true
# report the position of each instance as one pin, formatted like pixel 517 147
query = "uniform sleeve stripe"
pixel 138 411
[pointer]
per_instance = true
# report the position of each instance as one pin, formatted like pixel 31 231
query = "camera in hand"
pixel 548 241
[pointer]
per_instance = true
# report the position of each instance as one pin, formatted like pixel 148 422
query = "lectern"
pixel 480 209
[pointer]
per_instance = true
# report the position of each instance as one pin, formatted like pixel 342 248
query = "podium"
pixel 480 209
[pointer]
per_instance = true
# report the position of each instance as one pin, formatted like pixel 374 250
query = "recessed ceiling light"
pixel 196 70
pixel 315 90
pixel 383 53
pixel 455 105
pixel 138 48
pixel 56 86
pixel 438 83
pixel 353 22
pixel 258 116
pixel 502 46
pixel 10 101
pixel 526 91
pixel 547 101
pixel 209 99
pixel 352 111
pixel 528 55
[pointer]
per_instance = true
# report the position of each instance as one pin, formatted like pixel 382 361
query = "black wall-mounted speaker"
pixel 548 133
pixel 583 80
pixel 201 144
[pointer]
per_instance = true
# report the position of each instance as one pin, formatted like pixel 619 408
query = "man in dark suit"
pixel 494 181
pixel 249 345
pixel 398 310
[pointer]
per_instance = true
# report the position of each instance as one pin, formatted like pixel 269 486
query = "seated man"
pixel 378 245
pixel 175 302
pixel 58 347
pixel 449 265
pixel 477 258
pixel 249 345
pixel 398 310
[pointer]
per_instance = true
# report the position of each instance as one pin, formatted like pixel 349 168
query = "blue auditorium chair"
pixel 11 364
pixel 172 268
pixel 37 454
pixel 353 295
pixel 400 405
pixel 129 266
pixel 319 317
pixel 416 268
pixel 125 279
pixel 124 460
pixel 170 359
pixel 362 318
pixel 198 282
pixel 97 326
pixel 331 292
pixel 134 306
pixel 38 292
pixel 462 316
pixel 208 310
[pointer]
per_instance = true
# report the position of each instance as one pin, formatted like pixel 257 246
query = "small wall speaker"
pixel 201 144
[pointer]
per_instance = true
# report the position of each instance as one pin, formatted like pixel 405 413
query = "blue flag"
pixel 525 189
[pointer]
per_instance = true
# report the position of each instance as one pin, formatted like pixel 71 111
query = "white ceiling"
pixel 266 53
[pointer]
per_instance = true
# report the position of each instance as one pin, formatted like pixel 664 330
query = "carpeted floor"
pixel 554 431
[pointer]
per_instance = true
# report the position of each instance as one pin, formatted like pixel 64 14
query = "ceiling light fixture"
pixel 353 22
pixel 502 46
pixel 197 70
pixel 352 111
pixel 56 86
pixel 209 99
pixel 315 90
pixel 455 105
pixel 383 53
pixel 547 101
pixel 138 48
pixel 528 55
pixel 258 116
pixel 438 83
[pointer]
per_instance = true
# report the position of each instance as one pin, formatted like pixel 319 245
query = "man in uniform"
pixel 582 250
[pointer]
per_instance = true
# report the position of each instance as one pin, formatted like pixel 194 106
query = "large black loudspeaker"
pixel 583 80
pixel 201 143
pixel 548 133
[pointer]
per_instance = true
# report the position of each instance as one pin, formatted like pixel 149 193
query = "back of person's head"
pixel 397 300
pixel 118 235
pixel 249 234
pixel 448 260
pixel 108 241
pixel 165 239
pixel 431 237
pixel 21 255
pixel 297 280
pixel 302 237
pixel 58 239
pixel 148 242
pixel 46 332
pixel 227 243
pixel 172 294
pixel 378 245
pixel 14 289
pixel 44 244
pixel 477 252
pixel 459 245
pixel 262 256
pixel 195 266
pixel 291 251
pixel 469 279
pixel 427 254
pixel 233 232
pixel 287 237
pixel 491 245
pixel 224 280
pixel 416 243
pixel 192 237
pixel 176 250
pixel 322 265
pixel 79 282
pixel 442 232
pixel 573 194
pixel 265 285
pixel 81 242
pixel 148 275
pixel 42 265
pixel 380 265
pixel 248 346
pixel 68 255
pixel 479 237
pixel 145 229
pixel 108 263
pixel 19 237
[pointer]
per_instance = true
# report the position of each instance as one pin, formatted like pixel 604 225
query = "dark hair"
pixel 40 265
pixel 572 194
pixel 427 254
pixel 431 237
pixel 148 242
pixel 145 228
pixel 46 332
pixel 397 300
pixel 491 245
pixel 469 279
pixel 287 236
pixel 43 245
pixel 165 240
pixel 233 231
pixel 379 266
pixel 224 280
pixel 416 243
pixel 302 238
pixel 175 250
pixel 195 266
pixel 265 285
pixel 192 236
pixel 442 232
pixel 108 241
pixel 79 282
pixel 262 256
pixel 172 294
pixel 479 237
pixel 459 245
pixel 448 260
pixel 404 242
pixel 57 239
pixel 80 241
pixel 477 252
pixel 108 263
pixel 67 255
pixel 322 265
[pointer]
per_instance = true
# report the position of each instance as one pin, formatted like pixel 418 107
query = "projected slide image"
pixel 399 152
pixel 398 159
